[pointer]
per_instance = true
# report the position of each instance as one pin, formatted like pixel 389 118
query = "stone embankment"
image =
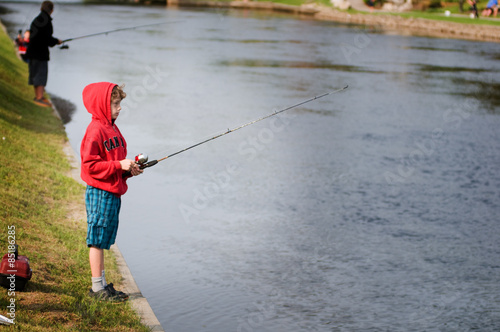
pixel 397 24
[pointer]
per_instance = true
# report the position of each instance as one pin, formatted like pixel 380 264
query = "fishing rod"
pixel 64 46
pixel 142 159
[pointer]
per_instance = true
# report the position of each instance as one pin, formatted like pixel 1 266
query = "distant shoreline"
pixel 398 24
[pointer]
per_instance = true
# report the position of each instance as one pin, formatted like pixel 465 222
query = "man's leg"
pixel 39 90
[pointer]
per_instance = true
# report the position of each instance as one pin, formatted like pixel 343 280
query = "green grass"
pixel 439 16
pixel 45 205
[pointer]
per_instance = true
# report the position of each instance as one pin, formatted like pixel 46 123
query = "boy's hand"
pixel 127 164
pixel 130 166
pixel 136 170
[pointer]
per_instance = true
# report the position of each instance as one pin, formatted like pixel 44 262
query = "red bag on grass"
pixel 15 271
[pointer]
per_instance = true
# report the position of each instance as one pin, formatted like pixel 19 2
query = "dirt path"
pixel 359 5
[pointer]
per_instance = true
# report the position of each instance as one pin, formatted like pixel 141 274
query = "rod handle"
pixel 141 166
pixel 148 164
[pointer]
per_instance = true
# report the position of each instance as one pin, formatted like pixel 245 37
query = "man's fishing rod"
pixel 142 159
pixel 64 46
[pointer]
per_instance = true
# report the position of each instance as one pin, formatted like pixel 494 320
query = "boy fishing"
pixel 105 169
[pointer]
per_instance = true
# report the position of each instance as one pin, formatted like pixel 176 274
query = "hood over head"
pixel 97 100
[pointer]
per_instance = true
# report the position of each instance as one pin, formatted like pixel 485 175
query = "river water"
pixel 373 209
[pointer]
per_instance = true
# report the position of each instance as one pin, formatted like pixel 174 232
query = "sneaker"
pixel 47 101
pixel 105 295
pixel 42 102
pixel 118 293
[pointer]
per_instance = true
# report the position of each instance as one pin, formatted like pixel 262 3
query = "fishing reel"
pixel 142 160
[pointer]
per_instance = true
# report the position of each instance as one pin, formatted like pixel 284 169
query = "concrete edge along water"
pixel 138 302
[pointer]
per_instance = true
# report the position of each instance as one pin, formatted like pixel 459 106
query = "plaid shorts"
pixel 103 208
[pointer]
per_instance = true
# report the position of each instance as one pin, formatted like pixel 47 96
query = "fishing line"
pixel 64 46
pixel 142 159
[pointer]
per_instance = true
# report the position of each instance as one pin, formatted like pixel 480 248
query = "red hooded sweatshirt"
pixel 103 146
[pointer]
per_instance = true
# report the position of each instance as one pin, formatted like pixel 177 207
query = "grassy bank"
pixel 45 205
pixel 438 15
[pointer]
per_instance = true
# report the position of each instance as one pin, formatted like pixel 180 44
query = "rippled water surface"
pixel 373 209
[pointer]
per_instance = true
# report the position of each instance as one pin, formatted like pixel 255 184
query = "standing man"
pixel 38 51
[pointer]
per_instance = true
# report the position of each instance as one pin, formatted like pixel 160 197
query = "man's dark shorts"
pixel 38 72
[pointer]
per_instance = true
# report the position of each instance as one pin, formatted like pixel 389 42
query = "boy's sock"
pixel 104 284
pixel 97 284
